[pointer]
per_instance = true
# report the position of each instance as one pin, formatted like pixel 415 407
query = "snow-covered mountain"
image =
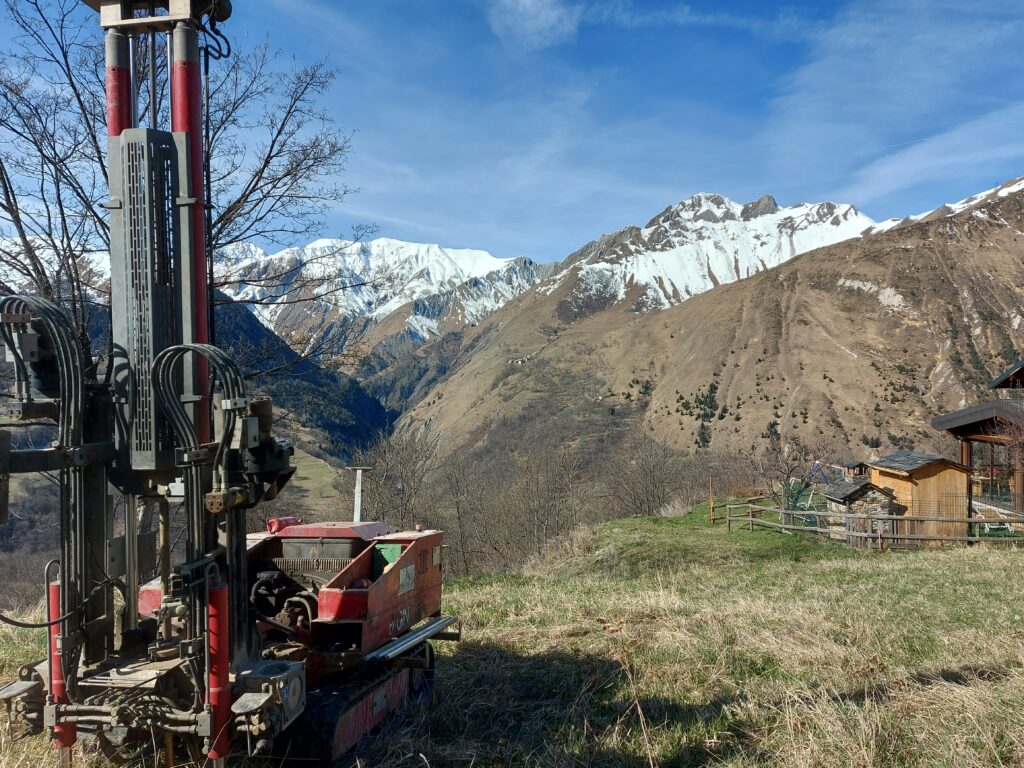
pixel 691 247
pixel 398 295
pixel 414 288
pixel 951 209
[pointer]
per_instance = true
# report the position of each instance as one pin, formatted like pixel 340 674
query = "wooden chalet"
pixel 851 469
pixel 925 485
pixel 996 423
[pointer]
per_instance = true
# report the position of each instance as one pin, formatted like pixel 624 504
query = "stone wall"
pixel 873 502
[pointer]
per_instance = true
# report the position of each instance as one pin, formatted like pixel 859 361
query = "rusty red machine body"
pixel 297 640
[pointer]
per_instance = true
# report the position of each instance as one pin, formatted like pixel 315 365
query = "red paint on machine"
pixel 64 734
pixel 219 690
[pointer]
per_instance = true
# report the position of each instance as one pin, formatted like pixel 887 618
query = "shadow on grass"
pixel 963 676
pixel 495 707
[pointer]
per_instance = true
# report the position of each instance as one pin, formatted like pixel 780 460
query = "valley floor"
pixel 665 642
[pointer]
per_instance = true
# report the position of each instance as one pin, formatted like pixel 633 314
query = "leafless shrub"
pixel 783 464
pixel 643 477
pixel 396 490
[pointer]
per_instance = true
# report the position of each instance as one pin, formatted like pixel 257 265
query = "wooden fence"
pixel 883 531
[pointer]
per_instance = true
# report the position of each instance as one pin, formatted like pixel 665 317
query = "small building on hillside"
pixel 852 469
pixel 924 485
pixel 859 497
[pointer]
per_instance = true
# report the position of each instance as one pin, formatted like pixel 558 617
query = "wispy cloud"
pixel 883 84
pixel 987 147
pixel 534 24
pixel 787 23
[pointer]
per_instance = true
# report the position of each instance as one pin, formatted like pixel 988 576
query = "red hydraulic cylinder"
pixel 219 684
pixel 119 96
pixel 186 117
pixel 64 734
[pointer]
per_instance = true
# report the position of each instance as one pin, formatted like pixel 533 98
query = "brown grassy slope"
pixel 863 340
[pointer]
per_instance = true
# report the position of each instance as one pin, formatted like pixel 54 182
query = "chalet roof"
pixel 1011 378
pixel 852 464
pixel 982 419
pixel 906 462
pixel 853 489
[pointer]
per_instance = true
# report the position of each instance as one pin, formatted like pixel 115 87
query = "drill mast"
pixel 214 645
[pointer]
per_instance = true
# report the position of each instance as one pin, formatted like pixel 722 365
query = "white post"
pixel 357 511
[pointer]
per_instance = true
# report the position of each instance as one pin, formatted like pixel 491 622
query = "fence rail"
pixel 886 531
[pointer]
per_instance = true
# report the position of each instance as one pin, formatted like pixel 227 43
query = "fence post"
pixel 711 499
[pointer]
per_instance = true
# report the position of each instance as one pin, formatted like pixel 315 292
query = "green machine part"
pixel 383 556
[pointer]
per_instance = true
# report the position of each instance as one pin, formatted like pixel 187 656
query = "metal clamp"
pixel 235 404
pixel 192 458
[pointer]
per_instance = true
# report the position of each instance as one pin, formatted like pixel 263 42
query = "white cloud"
pixel 987 147
pixel 885 76
pixel 537 24
pixel 534 24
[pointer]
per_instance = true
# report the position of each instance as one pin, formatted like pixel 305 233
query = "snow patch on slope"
pixel 887 297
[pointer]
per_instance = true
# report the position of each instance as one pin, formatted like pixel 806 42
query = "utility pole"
pixel 357 503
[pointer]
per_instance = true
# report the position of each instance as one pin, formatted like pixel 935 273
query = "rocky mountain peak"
pixel 366 284
pixel 763 206
pixel 697 244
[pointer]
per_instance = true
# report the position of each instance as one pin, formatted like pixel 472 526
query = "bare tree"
pixel 571 488
pixel 52 158
pixel 275 160
pixel 462 496
pixel 397 491
pixel 643 478
pixel 783 466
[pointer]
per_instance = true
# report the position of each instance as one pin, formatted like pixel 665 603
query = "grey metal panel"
pixel 150 284
pixel 317 549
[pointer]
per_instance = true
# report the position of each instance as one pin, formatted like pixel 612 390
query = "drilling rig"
pixel 174 635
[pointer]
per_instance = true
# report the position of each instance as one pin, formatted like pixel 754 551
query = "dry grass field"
pixel 668 642
pixel 665 642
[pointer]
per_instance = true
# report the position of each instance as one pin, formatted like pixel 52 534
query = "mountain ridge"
pixel 860 342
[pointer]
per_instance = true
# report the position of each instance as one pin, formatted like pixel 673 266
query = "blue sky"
pixel 528 127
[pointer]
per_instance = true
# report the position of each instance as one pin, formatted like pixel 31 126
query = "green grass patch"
pixel 636 545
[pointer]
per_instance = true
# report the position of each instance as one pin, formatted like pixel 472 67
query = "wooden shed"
pixel 925 485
